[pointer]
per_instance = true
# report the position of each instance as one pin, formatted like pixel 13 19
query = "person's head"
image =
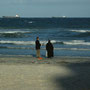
pixel 49 41
pixel 37 38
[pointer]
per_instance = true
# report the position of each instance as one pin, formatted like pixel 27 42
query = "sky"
pixel 45 8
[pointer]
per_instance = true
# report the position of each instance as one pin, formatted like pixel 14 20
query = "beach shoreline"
pixel 25 72
pixel 29 59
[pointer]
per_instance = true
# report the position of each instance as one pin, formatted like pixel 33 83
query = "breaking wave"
pixel 81 31
pixel 72 42
pixel 26 42
pixel 13 34
pixel 18 42
pixel 32 48
pixel 77 42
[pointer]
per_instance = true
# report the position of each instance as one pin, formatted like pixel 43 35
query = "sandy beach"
pixel 58 73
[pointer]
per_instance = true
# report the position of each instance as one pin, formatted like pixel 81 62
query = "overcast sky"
pixel 45 8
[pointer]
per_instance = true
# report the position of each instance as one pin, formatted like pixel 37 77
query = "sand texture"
pixel 29 73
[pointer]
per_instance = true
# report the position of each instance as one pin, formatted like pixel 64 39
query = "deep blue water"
pixel 70 36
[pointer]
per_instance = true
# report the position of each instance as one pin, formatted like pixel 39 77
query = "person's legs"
pixel 48 54
pixel 38 53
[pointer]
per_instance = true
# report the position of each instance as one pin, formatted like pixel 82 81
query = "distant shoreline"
pixel 39 17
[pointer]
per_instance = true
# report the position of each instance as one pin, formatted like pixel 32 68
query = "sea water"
pixel 67 41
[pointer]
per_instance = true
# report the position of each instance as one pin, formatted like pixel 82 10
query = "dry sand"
pixel 59 73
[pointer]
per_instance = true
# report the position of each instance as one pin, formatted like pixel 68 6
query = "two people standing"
pixel 49 48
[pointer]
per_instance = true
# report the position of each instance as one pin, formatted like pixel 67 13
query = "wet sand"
pixel 58 73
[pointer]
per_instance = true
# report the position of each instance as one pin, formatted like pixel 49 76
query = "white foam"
pixel 18 42
pixel 25 42
pixel 12 32
pixel 32 48
pixel 77 42
pixel 82 31
pixel 30 22
pixel 45 42
pixel 75 49
pixel 72 42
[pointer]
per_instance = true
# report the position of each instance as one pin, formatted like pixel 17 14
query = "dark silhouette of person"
pixel 37 47
pixel 49 48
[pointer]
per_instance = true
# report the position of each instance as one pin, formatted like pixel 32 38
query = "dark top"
pixel 49 46
pixel 37 44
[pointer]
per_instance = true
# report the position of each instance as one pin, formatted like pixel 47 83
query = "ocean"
pixel 69 36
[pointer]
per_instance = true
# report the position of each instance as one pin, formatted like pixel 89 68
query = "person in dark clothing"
pixel 37 47
pixel 49 48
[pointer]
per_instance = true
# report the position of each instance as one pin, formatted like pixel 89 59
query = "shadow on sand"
pixel 79 79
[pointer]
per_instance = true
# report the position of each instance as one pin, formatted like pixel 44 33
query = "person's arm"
pixel 39 43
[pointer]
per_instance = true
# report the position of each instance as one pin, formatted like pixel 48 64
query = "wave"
pixel 72 42
pixel 16 47
pixel 13 34
pixel 18 42
pixel 79 49
pixel 27 42
pixel 81 31
pixel 31 48
pixel 77 42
